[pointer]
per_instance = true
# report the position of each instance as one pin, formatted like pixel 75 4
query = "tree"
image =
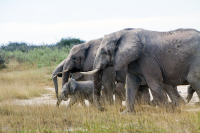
pixel 69 41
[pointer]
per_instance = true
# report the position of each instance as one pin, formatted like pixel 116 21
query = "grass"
pixel 48 118
pixel 19 81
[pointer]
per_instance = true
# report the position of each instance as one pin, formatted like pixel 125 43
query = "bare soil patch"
pixel 51 99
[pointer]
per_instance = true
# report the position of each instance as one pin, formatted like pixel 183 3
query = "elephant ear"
pixel 73 85
pixel 128 49
pixel 90 53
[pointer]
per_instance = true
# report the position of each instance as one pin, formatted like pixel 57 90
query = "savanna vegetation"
pixel 26 72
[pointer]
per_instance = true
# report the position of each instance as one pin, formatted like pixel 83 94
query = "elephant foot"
pixel 58 102
pixel 196 103
pixel 128 111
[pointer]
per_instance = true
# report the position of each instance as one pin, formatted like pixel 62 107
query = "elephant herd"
pixel 128 63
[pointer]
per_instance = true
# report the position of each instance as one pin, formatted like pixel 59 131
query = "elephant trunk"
pixel 55 85
pixel 57 73
pixel 65 77
pixel 62 97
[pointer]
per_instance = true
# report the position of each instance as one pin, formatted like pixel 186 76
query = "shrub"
pixel 69 41
pixel 2 60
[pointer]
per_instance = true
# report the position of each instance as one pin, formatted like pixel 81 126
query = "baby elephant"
pixel 78 90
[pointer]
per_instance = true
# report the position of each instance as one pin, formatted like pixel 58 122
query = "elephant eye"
pixel 73 58
pixel 103 51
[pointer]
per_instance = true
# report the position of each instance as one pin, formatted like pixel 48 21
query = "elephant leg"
pixel 154 102
pixel 72 101
pixel 159 95
pixel 97 89
pixel 194 80
pixel 145 96
pixel 190 93
pixel 118 100
pixel 82 102
pixel 174 95
pixel 119 93
pixel 108 83
pixel 132 86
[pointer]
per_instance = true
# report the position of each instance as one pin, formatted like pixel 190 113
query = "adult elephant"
pixel 81 58
pixel 152 57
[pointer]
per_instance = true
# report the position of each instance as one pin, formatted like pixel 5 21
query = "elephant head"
pixel 117 49
pixel 67 89
pixel 80 58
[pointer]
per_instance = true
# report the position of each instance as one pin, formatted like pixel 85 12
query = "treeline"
pixel 40 55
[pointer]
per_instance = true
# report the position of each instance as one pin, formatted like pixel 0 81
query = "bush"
pixel 44 55
pixel 69 41
pixel 12 46
pixel 2 59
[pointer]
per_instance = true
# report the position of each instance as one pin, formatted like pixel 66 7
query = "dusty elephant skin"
pixel 81 58
pixel 78 90
pixel 171 58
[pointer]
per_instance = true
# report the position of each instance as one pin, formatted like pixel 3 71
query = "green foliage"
pixel 69 41
pixel 42 57
pixel 12 46
pixel 2 60
pixel 38 56
pixel 45 55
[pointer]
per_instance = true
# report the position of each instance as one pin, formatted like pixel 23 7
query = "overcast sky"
pixel 47 21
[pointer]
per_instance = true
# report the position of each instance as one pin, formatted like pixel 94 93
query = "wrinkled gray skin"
pixel 78 90
pixel 153 58
pixel 81 58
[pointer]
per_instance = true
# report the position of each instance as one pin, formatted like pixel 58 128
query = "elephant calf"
pixel 78 90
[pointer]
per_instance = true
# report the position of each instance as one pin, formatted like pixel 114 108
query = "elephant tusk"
pixel 90 72
pixel 61 73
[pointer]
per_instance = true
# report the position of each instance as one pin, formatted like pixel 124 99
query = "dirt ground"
pixel 50 99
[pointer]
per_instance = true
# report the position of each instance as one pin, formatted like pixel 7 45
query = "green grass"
pixel 39 57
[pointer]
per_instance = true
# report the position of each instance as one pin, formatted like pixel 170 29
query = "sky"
pixel 47 21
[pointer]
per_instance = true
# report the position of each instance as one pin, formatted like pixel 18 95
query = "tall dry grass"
pixel 19 83
pixel 48 118
pixel 22 82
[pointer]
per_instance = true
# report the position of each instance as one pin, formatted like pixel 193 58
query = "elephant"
pixel 78 90
pixel 81 58
pixel 153 58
